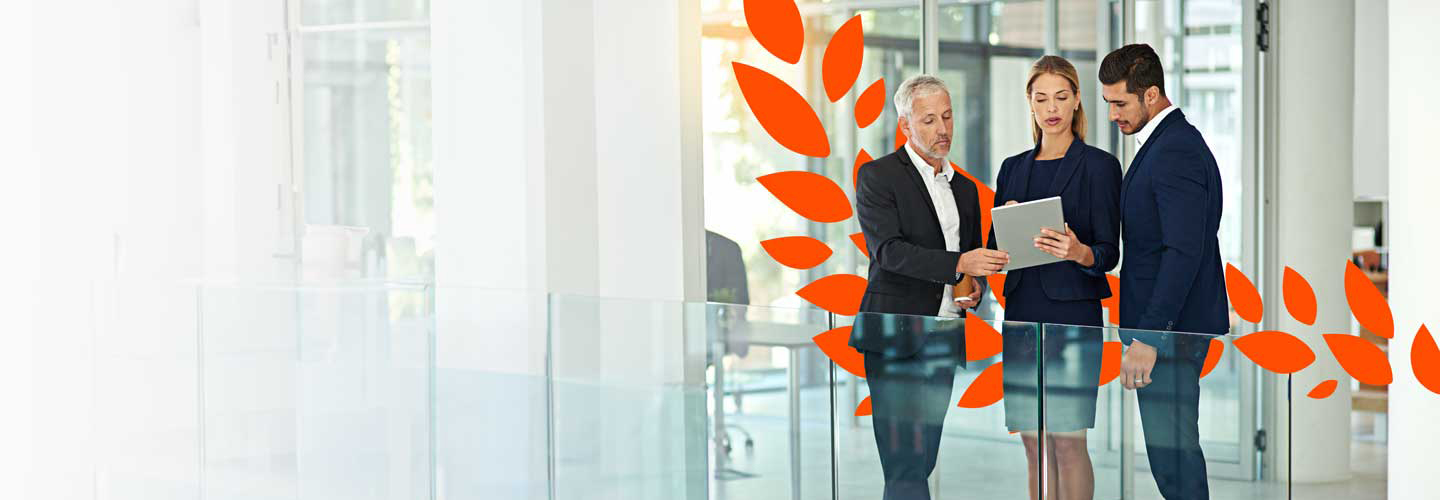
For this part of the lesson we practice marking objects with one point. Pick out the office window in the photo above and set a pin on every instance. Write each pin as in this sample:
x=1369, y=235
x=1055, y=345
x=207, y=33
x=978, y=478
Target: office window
x=737, y=149
x=362, y=113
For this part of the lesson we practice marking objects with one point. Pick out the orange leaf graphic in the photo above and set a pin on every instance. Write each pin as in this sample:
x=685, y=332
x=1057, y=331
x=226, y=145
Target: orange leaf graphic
x=997, y=287
x=1366, y=303
x=864, y=408
x=1243, y=295
x=870, y=103
x=859, y=240
x=899, y=137
x=1361, y=359
x=1425, y=360
x=1113, y=302
x=837, y=293
x=981, y=339
x=987, y=201
x=1299, y=297
x=986, y=390
x=836, y=346
x=1276, y=351
x=809, y=194
x=776, y=25
x=841, y=64
x=860, y=161
x=782, y=112
x=1324, y=390
x=1212, y=357
x=1110, y=362
x=800, y=252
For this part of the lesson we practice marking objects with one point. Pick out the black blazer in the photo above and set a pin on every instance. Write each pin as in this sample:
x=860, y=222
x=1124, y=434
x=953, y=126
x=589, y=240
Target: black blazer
x=1171, y=201
x=1088, y=184
x=909, y=266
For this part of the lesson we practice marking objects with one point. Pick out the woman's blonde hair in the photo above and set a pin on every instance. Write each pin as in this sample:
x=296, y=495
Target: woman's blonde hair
x=1056, y=65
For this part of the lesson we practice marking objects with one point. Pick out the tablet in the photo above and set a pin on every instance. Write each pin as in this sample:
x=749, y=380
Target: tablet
x=1016, y=227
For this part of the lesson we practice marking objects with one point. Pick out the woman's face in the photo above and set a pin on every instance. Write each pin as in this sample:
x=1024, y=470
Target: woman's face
x=1053, y=103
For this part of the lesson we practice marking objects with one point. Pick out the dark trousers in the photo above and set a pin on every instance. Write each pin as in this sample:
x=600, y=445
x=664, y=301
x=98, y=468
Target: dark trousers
x=1170, y=416
x=909, y=397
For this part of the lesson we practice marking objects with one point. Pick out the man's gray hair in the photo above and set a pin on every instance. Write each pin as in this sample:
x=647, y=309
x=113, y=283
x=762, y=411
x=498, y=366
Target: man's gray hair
x=916, y=86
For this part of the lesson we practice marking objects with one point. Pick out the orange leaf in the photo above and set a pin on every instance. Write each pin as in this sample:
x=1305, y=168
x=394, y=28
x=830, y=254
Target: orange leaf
x=870, y=103
x=1276, y=351
x=1110, y=362
x=837, y=293
x=1113, y=302
x=1324, y=390
x=987, y=201
x=1299, y=297
x=997, y=287
x=860, y=161
x=776, y=25
x=986, y=390
x=1366, y=302
x=1243, y=295
x=836, y=346
x=800, y=252
x=809, y=194
x=864, y=408
x=841, y=64
x=981, y=339
x=782, y=112
x=1361, y=359
x=859, y=240
x=899, y=137
x=1212, y=357
x=1425, y=360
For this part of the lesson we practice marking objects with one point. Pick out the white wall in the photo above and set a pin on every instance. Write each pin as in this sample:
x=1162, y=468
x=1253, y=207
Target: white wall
x=1372, y=77
x=1314, y=42
x=1414, y=178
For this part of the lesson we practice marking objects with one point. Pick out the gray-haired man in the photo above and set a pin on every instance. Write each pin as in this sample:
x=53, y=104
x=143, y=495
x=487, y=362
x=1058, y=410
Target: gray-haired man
x=922, y=226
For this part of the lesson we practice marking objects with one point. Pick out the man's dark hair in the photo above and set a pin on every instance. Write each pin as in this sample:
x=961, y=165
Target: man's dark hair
x=1137, y=65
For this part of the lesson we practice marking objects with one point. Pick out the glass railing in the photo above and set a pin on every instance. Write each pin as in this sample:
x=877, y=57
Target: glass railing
x=391, y=392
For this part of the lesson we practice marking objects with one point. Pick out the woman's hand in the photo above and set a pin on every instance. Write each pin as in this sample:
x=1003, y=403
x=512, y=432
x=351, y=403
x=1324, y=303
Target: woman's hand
x=1065, y=246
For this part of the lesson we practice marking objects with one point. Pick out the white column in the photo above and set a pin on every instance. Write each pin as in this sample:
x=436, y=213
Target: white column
x=1414, y=203
x=1314, y=43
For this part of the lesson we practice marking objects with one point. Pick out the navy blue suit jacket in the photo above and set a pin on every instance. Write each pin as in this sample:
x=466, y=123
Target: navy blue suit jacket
x=1088, y=184
x=1171, y=280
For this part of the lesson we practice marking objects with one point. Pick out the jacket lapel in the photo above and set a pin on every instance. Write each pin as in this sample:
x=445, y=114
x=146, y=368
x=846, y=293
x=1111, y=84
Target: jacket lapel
x=1068, y=166
x=924, y=191
x=1135, y=164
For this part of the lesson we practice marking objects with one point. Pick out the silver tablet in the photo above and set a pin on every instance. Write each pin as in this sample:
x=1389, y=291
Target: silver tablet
x=1016, y=227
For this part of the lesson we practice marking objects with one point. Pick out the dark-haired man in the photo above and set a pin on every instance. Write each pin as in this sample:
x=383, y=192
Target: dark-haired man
x=1171, y=280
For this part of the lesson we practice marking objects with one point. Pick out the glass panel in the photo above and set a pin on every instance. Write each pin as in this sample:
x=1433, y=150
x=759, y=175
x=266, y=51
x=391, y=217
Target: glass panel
x=323, y=12
x=1181, y=389
x=367, y=159
x=491, y=394
x=737, y=150
x=628, y=399
x=768, y=402
x=915, y=397
x=315, y=393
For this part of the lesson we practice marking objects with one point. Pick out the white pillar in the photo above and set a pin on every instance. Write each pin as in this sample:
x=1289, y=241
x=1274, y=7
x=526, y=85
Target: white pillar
x=1313, y=213
x=1414, y=203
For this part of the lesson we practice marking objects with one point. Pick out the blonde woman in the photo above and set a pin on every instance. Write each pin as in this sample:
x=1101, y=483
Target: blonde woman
x=1087, y=180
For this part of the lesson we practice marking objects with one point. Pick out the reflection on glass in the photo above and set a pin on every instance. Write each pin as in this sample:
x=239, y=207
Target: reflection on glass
x=319, y=12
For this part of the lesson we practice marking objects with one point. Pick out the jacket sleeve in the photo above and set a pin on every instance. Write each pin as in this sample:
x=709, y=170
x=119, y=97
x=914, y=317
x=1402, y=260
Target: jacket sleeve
x=879, y=216
x=1000, y=199
x=1104, y=188
x=1181, y=200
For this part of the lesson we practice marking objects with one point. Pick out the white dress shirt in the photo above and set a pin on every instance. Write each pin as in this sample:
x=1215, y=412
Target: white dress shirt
x=944, y=200
x=1149, y=128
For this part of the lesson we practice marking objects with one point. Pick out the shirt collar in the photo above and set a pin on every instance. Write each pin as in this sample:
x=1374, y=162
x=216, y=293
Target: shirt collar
x=1144, y=134
x=926, y=171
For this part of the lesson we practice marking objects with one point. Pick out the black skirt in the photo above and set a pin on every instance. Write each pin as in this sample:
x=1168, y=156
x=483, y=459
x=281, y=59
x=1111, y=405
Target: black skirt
x=1074, y=343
